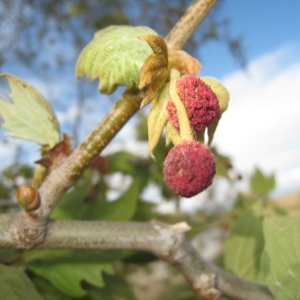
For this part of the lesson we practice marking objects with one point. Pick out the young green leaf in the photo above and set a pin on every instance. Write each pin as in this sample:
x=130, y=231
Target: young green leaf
x=157, y=117
x=172, y=134
x=280, y=261
x=30, y=116
x=223, y=97
x=115, y=56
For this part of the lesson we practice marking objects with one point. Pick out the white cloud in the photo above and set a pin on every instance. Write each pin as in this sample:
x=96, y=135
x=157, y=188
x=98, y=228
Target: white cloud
x=261, y=126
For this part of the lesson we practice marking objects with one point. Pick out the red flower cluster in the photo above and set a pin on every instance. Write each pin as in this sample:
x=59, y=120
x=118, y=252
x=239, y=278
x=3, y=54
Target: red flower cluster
x=189, y=168
x=200, y=101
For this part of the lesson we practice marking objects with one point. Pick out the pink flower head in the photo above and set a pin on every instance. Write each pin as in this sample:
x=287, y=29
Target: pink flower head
x=200, y=101
x=189, y=168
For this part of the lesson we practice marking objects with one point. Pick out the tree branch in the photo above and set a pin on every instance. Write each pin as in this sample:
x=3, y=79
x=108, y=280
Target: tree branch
x=165, y=241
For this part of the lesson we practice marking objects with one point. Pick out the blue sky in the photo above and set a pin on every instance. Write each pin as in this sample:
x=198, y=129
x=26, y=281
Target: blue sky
x=261, y=126
x=264, y=25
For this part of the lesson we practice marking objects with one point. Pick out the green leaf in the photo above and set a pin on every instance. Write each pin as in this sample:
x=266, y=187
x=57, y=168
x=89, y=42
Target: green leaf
x=30, y=116
x=220, y=90
x=124, y=207
x=158, y=117
x=244, y=246
x=15, y=285
x=82, y=203
x=262, y=184
x=141, y=127
x=115, y=56
x=74, y=206
x=172, y=134
x=116, y=288
x=223, y=97
x=48, y=290
x=66, y=269
x=121, y=161
x=280, y=261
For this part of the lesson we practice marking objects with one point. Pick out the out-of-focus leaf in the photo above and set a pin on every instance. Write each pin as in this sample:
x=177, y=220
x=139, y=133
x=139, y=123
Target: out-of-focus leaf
x=158, y=117
x=4, y=191
x=244, y=246
x=262, y=184
x=66, y=269
x=76, y=204
x=121, y=161
x=115, y=56
x=117, y=286
x=48, y=290
x=30, y=116
x=124, y=207
x=223, y=164
x=280, y=261
x=141, y=127
x=15, y=285
x=144, y=211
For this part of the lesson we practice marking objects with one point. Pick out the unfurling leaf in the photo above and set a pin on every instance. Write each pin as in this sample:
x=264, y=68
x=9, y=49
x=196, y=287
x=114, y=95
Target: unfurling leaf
x=157, y=117
x=115, y=56
x=220, y=90
x=182, y=61
x=155, y=69
x=29, y=116
x=172, y=134
x=223, y=96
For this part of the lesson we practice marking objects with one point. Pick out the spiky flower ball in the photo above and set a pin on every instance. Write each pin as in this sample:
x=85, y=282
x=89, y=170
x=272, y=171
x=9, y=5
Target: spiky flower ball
x=200, y=101
x=189, y=168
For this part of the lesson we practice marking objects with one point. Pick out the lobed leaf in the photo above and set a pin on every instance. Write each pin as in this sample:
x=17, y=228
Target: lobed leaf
x=66, y=269
x=30, y=116
x=115, y=56
x=244, y=246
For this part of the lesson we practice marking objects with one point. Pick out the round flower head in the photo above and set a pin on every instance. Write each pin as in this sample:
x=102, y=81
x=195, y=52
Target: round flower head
x=189, y=168
x=200, y=102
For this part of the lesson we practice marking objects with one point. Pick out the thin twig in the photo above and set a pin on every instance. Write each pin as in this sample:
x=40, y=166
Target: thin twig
x=187, y=24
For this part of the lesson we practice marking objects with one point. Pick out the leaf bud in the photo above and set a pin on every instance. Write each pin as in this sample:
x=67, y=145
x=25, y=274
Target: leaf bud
x=28, y=197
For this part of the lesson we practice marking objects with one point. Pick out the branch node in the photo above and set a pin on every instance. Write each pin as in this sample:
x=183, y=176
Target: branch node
x=205, y=286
